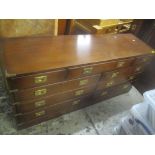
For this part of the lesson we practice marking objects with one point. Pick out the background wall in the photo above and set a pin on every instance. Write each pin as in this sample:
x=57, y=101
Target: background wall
x=27, y=27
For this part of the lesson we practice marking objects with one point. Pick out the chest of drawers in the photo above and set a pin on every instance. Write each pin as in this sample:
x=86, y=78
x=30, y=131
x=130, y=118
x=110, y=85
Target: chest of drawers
x=46, y=77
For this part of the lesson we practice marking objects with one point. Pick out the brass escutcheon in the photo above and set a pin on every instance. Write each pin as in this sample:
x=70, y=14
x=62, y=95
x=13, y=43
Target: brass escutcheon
x=133, y=27
x=125, y=86
x=114, y=74
x=138, y=69
x=120, y=64
x=87, y=70
x=83, y=82
x=40, y=79
x=40, y=92
x=145, y=59
x=75, y=102
x=152, y=52
x=40, y=103
x=131, y=77
x=109, y=84
x=79, y=92
x=40, y=113
x=104, y=93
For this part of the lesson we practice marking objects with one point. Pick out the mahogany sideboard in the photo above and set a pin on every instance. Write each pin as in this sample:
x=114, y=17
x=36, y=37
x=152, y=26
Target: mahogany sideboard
x=46, y=77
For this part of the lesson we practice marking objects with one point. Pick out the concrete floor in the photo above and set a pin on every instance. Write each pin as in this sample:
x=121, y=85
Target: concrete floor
x=98, y=119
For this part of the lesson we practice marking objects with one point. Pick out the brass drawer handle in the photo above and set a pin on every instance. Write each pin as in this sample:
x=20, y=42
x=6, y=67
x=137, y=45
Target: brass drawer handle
x=133, y=27
x=120, y=64
x=152, y=52
x=87, y=70
x=125, y=86
x=75, y=102
x=40, y=79
x=138, y=69
x=104, y=93
x=109, y=84
x=114, y=74
x=39, y=103
x=83, y=82
x=40, y=113
x=40, y=92
x=79, y=92
x=131, y=77
x=145, y=59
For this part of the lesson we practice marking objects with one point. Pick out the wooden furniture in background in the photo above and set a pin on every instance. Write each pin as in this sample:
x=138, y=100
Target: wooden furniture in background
x=99, y=26
x=62, y=26
x=49, y=76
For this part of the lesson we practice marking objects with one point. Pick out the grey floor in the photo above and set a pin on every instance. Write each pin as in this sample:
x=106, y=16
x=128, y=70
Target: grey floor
x=98, y=119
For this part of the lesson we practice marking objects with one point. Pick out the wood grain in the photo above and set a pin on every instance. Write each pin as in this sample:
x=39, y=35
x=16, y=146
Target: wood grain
x=46, y=53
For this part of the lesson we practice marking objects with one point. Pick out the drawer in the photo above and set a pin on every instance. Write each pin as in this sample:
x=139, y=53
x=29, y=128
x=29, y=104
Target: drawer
x=110, y=83
x=54, y=110
x=122, y=74
x=75, y=72
x=39, y=92
x=139, y=68
x=23, y=107
x=36, y=80
x=133, y=77
x=111, y=92
x=143, y=59
x=115, y=77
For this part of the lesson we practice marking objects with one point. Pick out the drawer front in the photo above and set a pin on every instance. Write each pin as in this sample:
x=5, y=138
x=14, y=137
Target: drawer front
x=133, y=77
x=36, y=80
x=75, y=72
x=29, y=106
x=139, y=68
x=54, y=110
x=111, y=92
x=122, y=74
x=115, y=77
x=39, y=92
x=143, y=59
x=110, y=83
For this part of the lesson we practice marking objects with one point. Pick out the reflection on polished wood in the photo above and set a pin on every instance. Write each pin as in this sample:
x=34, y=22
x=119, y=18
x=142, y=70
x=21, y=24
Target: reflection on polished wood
x=45, y=53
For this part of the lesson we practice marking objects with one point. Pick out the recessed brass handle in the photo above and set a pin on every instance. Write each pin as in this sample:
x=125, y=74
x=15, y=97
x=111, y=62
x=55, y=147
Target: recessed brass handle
x=138, y=69
x=79, y=92
x=152, y=52
x=40, y=103
x=83, y=82
x=114, y=74
x=125, y=86
x=40, y=92
x=75, y=102
x=131, y=77
x=40, y=113
x=144, y=59
x=87, y=70
x=133, y=27
x=120, y=64
x=40, y=79
x=109, y=84
x=104, y=93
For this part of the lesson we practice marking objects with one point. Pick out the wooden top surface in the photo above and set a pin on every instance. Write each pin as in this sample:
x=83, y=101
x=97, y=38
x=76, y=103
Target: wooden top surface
x=35, y=54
